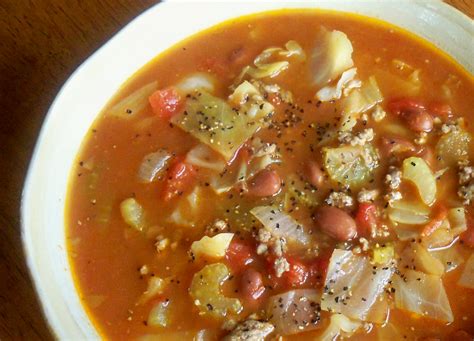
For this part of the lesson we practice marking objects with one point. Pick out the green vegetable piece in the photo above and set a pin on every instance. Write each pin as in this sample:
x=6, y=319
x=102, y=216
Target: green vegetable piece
x=350, y=165
x=206, y=292
x=453, y=147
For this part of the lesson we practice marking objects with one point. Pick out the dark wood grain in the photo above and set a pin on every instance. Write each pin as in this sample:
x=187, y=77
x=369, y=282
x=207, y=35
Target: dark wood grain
x=41, y=43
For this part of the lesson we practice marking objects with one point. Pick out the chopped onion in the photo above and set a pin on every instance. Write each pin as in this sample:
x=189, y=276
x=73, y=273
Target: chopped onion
x=329, y=93
x=213, y=247
x=281, y=224
x=422, y=294
x=197, y=81
x=133, y=103
x=294, y=311
x=205, y=157
x=417, y=171
x=411, y=213
x=133, y=213
x=348, y=273
x=152, y=165
x=338, y=325
x=467, y=277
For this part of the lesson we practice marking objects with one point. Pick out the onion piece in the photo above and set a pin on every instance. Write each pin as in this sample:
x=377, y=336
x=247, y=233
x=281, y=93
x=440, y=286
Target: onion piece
x=133, y=103
x=467, y=277
x=422, y=294
x=348, y=273
x=339, y=324
x=417, y=171
x=152, y=165
x=411, y=213
x=294, y=311
x=197, y=81
x=329, y=93
x=281, y=224
x=204, y=157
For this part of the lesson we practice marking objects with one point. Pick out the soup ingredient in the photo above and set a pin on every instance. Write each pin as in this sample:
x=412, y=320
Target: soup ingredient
x=413, y=112
x=295, y=311
x=206, y=292
x=416, y=257
x=153, y=165
x=134, y=103
x=179, y=180
x=336, y=223
x=329, y=93
x=159, y=314
x=156, y=286
x=350, y=165
x=314, y=173
x=331, y=56
x=165, y=102
x=383, y=254
x=422, y=294
x=204, y=157
x=467, y=276
x=197, y=81
x=410, y=213
x=453, y=147
x=353, y=285
x=366, y=219
x=419, y=173
x=212, y=247
x=251, y=284
x=250, y=330
x=450, y=257
x=264, y=184
x=457, y=220
x=339, y=325
x=133, y=213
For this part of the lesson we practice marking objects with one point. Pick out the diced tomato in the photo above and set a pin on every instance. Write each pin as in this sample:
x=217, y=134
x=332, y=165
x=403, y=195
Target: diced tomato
x=467, y=237
x=318, y=269
x=298, y=273
x=440, y=110
x=165, y=102
x=239, y=254
x=366, y=218
x=440, y=215
x=404, y=105
x=180, y=177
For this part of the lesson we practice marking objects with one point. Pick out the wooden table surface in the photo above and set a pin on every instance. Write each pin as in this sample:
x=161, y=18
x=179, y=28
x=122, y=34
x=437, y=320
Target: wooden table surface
x=41, y=43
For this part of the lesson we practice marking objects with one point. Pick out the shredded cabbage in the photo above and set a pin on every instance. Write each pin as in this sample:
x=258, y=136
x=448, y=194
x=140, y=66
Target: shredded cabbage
x=416, y=257
x=417, y=171
x=204, y=157
x=133, y=103
x=450, y=257
x=422, y=294
x=281, y=224
x=329, y=93
x=339, y=325
x=411, y=213
x=467, y=277
x=353, y=285
x=152, y=165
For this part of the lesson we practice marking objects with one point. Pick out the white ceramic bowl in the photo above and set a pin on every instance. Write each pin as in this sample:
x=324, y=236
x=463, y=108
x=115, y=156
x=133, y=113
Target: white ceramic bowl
x=98, y=78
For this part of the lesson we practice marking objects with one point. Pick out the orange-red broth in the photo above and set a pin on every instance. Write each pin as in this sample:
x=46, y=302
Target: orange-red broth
x=106, y=254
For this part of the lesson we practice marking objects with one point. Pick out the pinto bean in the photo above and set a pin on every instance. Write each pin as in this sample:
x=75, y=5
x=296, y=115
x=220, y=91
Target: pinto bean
x=336, y=223
x=264, y=184
x=251, y=284
x=314, y=173
x=418, y=120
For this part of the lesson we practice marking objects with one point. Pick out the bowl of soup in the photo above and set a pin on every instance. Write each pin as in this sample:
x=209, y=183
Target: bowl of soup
x=255, y=171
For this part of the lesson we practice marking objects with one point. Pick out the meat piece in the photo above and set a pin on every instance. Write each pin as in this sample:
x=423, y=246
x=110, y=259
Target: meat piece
x=367, y=195
x=250, y=330
x=466, y=182
x=281, y=266
x=339, y=199
x=359, y=139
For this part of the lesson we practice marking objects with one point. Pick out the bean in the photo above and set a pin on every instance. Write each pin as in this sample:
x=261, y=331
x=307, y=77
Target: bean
x=314, y=173
x=264, y=184
x=418, y=120
x=336, y=223
x=391, y=145
x=251, y=284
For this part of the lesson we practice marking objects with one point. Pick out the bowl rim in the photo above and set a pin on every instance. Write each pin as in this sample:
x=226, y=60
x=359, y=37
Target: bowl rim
x=453, y=15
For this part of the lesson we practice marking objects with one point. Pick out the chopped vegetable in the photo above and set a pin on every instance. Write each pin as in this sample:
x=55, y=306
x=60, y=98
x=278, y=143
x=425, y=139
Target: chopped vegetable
x=134, y=103
x=366, y=219
x=212, y=247
x=185, y=212
x=215, y=123
x=133, y=213
x=329, y=93
x=453, y=147
x=406, y=85
x=441, y=237
x=179, y=179
x=450, y=257
x=457, y=220
x=152, y=165
x=331, y=56
x=416, y=257
x=300, y=192
x=206, y=292
x=467, y=276
x=419, y=173
x=159, y=314
x=294, y=311
x=298, y=273
x=165, y=102
x=339, y=325
x=204, y=157
x=197, y=81
x=350, y=165
x=281, y=224
x=156, y=286
x=383, y=254
x=239, y=255
x=353, y=284
x=411, y=213
x=422, y=294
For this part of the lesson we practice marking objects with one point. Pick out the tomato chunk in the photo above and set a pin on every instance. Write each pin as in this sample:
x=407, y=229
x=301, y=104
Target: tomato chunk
x=165, y=102
x=467, y=237
x=403, y=105
x=239, y=254
x=180, y=177
x=319, y=267
x=366, y=219
x=298, y=273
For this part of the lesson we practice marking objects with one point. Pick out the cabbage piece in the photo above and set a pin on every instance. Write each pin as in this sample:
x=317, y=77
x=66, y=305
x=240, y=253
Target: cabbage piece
x=216, y=124
x=197, y=81
x=380, y=311
x=206, y=292
x=453, y=147
x=353, y=285
x=359, y=101
x=204, y=157
x=339, y=325
x=467, y=277
x=134, y=103
x=133, y=213
x=457, y=220
x=294, y=311
x=422, y=294
x=417, y=171
x=411, y=213
x=301, y=192
x=156, y=286
x=213, y=247
x=408, y=85
x=439, y=238
x=450, y=257
x=281, y=224
x=350, y=165
x=416, y=257
x=159, y=314
x=152, y=165
x=407, y=232
x=329, y=93
x=331, y=56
